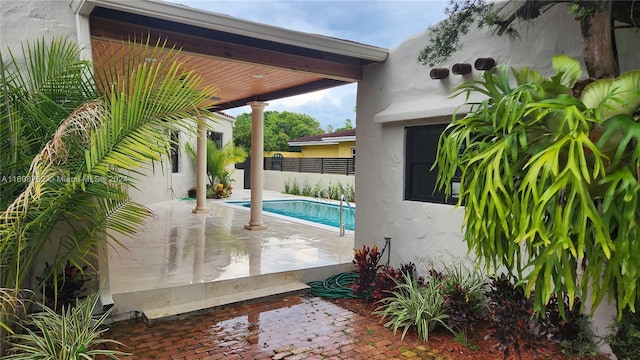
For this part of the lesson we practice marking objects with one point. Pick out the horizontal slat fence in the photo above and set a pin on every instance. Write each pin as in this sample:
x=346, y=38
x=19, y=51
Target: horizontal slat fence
x=344, y=166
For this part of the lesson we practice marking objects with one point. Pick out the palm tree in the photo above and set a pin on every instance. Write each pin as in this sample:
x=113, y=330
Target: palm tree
x=218, y=162
x=75, y=141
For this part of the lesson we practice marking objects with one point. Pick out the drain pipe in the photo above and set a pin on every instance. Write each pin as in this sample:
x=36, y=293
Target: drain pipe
x=341, y=222
x=387, y=245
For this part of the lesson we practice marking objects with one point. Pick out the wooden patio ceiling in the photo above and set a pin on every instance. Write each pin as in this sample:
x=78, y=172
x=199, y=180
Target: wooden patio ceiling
x=242, y=68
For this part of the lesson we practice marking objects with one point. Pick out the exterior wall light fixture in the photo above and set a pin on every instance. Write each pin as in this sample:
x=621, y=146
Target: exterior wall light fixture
x=439, y=73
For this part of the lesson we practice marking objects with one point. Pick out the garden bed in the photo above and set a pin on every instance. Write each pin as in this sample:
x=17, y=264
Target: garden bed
x=441, y=341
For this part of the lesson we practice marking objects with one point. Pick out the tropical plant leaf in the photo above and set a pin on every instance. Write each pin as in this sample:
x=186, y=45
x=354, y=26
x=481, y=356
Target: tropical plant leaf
x=614, y=96
x=73, y=137
x=549, y=183
x=621, y=132
x=568, y=68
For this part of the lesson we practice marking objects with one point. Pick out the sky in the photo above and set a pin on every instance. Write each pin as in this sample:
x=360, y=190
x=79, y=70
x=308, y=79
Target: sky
x=379, y=23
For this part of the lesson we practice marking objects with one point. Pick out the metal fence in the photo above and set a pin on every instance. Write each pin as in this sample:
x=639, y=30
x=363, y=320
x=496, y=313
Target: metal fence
x=343, y=166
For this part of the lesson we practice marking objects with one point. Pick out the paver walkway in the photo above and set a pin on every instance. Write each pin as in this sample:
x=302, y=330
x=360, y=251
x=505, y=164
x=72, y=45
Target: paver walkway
x=291, y=328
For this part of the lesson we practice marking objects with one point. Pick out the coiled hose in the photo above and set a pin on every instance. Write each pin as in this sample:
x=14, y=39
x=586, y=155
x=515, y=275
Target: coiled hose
x=335, y=287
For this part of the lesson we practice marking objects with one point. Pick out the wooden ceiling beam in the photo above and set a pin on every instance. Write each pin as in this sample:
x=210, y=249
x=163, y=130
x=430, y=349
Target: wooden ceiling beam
x=122, y=31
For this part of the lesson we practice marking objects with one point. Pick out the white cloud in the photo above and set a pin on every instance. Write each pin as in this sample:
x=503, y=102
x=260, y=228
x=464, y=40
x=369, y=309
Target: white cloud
x=329, y=107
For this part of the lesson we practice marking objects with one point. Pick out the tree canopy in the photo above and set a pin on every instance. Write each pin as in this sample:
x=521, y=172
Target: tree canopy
x=279, y=127
x=347, y=126
x=596, y=20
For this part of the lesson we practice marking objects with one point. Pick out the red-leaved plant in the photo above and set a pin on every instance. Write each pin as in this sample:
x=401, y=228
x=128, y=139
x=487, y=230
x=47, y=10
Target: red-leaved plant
x=366, y=261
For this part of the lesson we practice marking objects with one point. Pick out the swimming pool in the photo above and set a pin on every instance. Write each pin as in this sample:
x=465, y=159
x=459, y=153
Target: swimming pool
x=315, y=211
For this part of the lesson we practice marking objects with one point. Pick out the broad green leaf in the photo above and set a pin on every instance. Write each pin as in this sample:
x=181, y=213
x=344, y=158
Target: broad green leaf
x=569, y=68
x=614, y=96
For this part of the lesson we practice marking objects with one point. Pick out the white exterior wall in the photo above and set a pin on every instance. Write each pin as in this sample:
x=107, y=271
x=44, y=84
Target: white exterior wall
x=22, y=20
x=161, y=184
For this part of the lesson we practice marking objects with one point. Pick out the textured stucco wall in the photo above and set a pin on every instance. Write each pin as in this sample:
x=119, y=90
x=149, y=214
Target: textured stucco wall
x=399, y=93
x=22, y=20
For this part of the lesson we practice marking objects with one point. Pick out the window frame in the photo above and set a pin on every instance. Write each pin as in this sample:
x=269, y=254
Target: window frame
x=217, y=138
x=175, y=151
x=420, y=159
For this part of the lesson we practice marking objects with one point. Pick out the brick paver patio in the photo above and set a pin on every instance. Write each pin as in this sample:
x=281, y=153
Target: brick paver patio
x=291, y=328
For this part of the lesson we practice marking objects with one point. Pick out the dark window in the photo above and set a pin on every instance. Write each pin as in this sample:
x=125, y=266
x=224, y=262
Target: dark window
x=175, y=143
x=216, y=137
x=420, y=154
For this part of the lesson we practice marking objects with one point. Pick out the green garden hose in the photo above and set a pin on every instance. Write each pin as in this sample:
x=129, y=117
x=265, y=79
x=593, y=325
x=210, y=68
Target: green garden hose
x=341, y=285
x=337, y=286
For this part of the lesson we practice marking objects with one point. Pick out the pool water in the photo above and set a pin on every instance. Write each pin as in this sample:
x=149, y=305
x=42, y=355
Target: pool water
x=318, y=212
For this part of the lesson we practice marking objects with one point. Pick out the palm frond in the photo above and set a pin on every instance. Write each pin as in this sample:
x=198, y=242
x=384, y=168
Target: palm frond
x=75, y=183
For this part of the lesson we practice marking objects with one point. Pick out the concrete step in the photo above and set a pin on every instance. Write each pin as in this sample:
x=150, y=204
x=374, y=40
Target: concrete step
x=155, y=302
x=172, y=311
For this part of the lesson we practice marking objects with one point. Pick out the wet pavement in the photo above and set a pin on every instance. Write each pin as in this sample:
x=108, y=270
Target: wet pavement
x=179, y=248
x=292, y=328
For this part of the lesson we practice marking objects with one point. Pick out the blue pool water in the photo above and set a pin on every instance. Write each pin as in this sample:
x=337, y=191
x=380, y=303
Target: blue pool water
x=318, y=212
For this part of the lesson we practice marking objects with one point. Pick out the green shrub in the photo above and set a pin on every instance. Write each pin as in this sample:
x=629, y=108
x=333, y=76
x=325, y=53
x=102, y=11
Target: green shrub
x=624, y=338
x=295, y=188
x=287, y=186
x=306, y=188
x=350, y=192
x=318, y=189
x=335, y=190
x=465, y=302
x=67, y=287
x=515, y=325
x=575, y=335
x=413, y=305
x=72, y=335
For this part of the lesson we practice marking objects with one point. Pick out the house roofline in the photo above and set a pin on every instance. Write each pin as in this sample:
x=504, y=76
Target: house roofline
x=210, y=20
x=307, y=143
x=340, y=138
x=225, y=115
x=323, y=141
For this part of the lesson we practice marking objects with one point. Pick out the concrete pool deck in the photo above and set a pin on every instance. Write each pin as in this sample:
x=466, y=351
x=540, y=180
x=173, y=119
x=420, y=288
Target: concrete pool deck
x=182, y=257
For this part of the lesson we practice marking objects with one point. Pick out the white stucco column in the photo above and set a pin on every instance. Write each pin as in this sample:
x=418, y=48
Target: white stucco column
x=257, y=161
x=201, y=170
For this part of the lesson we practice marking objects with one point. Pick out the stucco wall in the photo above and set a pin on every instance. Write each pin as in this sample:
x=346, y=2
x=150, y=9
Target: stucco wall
x=399, y=93
x=161, y=184
x=22, y=20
